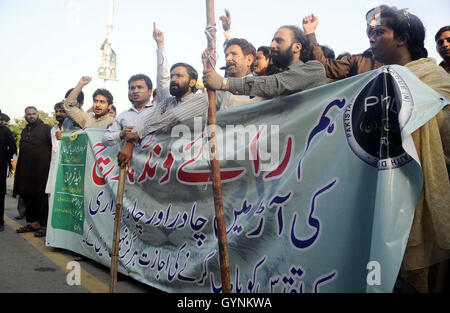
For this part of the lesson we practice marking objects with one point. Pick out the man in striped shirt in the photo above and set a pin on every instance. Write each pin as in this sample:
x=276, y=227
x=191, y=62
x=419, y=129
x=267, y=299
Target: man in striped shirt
x=177, y=100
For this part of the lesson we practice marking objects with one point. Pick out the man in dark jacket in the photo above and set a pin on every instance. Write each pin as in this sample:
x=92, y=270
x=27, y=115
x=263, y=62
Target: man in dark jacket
x=32, y=170
x=7, y=149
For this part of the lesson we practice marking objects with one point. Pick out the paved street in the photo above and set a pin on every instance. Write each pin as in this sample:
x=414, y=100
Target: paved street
x=27, y=265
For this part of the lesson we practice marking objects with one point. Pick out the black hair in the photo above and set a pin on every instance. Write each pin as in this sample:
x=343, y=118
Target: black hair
x=299, y=36
x=266, y=51
x=104, y=92
x=113, y=107
x=31, y=107
x=402, y=22
x=328, y=52
x=4, y=117
x=247, y=47
x=440, y=31
x=190, y=70
x=80, y=98
x=144, y=77
x=59, y=105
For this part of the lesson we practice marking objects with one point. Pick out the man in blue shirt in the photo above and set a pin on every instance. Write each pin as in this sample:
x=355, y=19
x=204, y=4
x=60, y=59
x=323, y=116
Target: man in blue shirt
x=139, y=92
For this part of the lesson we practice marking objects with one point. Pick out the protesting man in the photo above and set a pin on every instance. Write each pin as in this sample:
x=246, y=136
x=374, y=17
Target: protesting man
x=4, y=119
x=69, y=123
x=398, y=38
x=240, y=58
x=139, y=93
x=32, y=170
x=177, y=100
x=442, y=39
x=103, y=100
x=7, y=150
x=56, y=135
x=348, y=65
x=287, y=48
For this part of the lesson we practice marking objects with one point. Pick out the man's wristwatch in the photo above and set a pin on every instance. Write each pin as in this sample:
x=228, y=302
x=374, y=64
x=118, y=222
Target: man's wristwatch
x=224, y=83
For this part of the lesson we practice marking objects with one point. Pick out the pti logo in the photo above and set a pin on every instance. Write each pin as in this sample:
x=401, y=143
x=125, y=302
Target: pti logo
x=374, y=118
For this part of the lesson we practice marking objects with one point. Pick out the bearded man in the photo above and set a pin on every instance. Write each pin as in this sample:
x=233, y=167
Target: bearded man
x=288, y=53
x=178, y=100
x=32, y=170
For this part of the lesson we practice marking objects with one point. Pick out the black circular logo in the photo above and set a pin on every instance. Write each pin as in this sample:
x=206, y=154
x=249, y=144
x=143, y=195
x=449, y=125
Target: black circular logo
x=371, y=121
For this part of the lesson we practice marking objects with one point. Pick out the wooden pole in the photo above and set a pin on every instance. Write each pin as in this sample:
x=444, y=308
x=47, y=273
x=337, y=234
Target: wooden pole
x=215, y=168
x=115, y=245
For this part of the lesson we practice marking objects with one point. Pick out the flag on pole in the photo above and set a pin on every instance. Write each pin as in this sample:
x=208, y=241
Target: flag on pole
x=107, y=67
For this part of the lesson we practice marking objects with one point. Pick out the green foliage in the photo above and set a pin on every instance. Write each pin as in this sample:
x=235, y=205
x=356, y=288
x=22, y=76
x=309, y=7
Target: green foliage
x=19, y=124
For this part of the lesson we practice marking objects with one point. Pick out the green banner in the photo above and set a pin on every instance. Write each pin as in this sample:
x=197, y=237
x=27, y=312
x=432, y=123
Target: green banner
x=68, y=202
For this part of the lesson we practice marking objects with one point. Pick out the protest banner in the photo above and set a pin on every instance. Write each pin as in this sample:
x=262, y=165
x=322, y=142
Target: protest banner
x=319, y=190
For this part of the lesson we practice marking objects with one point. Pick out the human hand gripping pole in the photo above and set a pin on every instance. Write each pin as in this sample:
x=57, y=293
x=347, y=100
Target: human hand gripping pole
x=124, y=158
x=115, y=243
x=215, y=168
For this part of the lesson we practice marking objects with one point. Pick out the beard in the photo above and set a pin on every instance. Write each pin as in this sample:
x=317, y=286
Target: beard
x=283, y=59
x=29, y=121
x=60, y=118
x=101, y=114
x=180, y=91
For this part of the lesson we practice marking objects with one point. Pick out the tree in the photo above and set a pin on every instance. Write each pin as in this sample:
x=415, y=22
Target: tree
x=20, y=123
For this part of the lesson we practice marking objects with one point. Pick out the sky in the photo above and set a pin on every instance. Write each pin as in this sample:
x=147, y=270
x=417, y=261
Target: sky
x=47, y=45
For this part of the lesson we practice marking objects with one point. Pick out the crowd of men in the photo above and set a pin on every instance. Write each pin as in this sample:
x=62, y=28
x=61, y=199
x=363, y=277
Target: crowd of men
x=293, y=62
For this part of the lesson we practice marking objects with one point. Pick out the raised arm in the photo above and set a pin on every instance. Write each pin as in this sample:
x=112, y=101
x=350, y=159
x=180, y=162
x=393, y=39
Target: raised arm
x=162, y=70
x=300, y=77
x=335, y=69
x=70, y=103
x=226, y=25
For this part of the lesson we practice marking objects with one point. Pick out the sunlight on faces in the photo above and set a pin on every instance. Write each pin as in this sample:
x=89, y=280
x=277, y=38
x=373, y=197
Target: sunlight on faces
x=31, y=115
x=101, y=106
x=261, y=62
x=238, y=64
x=60, y=114
x=443, y=45
x=138, y=92
x=112, y=113
x=180, y=82
x=383, y=44
x=283, y=47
